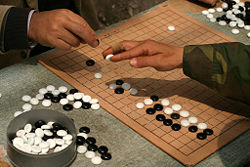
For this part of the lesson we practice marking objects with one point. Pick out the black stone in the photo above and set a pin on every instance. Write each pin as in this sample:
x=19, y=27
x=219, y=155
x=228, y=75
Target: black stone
x=39, y=123
x=154, y=98
x=150, y=111
x=201, y=136
x=160, y=117
x=208, y=131
x=66, y=129
x=90, y=140
x=73, y=91
x=45, y=138
x=33, y=129
x=48, y=95
x=84, y=130
x=62, y=95
x=55, y=99
x=68, y=107
x=92, y=147
x=175, y=115
x=106, y=156
x=90, y=62
x=119, y=82
x=241, y=8
x=176, y=127
x=86, y=105
x=119, y=90
x=168, y=122
x=56, y=127
x=80, y=140
x=218, y=19
x=193, y=129
x=102, y=149
x=158, y=107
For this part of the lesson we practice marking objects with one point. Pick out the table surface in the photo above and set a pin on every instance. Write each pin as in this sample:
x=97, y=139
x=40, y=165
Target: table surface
x=128, y=148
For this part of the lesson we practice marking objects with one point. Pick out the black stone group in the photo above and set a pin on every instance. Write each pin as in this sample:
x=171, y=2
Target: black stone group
x=174, y=116
x=55, y=127
x=91, y=142
x=119, y=89
x=90, y=62
x=245, y=18
x=66, y=107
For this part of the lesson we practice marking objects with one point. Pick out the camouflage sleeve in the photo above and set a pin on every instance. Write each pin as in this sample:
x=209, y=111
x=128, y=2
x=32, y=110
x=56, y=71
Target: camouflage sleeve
x=224, y=67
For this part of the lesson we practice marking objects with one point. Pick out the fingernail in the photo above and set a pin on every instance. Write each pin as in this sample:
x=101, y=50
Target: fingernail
x=133, y=62
x=96, y=43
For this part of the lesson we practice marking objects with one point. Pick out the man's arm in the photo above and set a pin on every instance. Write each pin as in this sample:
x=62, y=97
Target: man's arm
x=224, y=67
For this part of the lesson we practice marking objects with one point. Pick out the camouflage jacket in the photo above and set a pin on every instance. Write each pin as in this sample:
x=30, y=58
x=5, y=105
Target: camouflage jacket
x=224, y=67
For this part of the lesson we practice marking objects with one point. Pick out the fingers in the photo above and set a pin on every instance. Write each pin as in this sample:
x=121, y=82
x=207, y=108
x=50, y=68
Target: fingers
x=143, y=61
x=69, y=38
x=61, y=44
x=125, y=45
x=80, y=27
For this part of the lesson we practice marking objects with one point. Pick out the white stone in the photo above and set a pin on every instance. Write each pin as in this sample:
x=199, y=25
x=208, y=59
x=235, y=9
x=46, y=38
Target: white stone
x=241, y=4
x=235, y=31
x=57, y=149
x=237, y=1
x=112, y=86
x=241, y=24
x=31, y=141
x=184, y=113
x=232, y=23
x=247, y=27
x=70, y=97
x=108, y=57
x=86, y=98
x=26, y=98
x=26, y=148
x=93, y=101
x=210, y=16
x=168, y=110
x=17, y=113
x=83, y=135
x=96, y=160
x=171, y=28
x=193, y=120
x=67, y=142
x=98, y=75
x=219, y=9
x=59, y=141
x=0, y=95
x=45, y=150
x=20, y=133
x=27, y=128
x=44, y=145
x=50, y=123
x=126, y=86
x=77, y=104
x=39, y=132
x=61, y=133
x=222, y=23
x=40, y=96
x=63, y=89
x=34, y=101
x=248, y=35
x=229, y=12
x=18, y=141
x=68, y=137
x=78, y=95
x=139, y=105
x=205, y=12
x=224, y=5
x=25, y=139
x=27, y=107
x=202, y=126
x=45, y=127
x=90, y=154
x=48, y=132
x=148, y=101
x=81, y=149
x=165, y=102
x=38, y=140
x=95, y=106
x=52, y=143
x=213, y=20
x=55, y=92
x=43, y=91
x=185, y=123
x=46, y=103
x=30, y=135
x=133, y=91
x=211, y=10
x=176, y=107
x=36, y=149
x=64, y=101
x=50, y=88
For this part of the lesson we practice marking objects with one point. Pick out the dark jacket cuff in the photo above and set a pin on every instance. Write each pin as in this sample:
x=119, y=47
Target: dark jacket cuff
x=15, y=32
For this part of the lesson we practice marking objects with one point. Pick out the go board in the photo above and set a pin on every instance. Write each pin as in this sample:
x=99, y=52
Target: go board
x=209, y=107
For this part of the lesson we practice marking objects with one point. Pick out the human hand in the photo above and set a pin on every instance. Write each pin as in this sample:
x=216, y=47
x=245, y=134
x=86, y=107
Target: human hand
x=211, y=2
x=162, y=57
x=62, y=29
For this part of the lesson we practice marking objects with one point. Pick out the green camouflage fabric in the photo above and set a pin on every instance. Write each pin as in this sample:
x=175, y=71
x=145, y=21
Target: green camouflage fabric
x=224, y=67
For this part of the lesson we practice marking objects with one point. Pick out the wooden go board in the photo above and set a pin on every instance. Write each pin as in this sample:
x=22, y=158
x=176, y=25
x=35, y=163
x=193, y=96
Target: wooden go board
x=200, y=101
